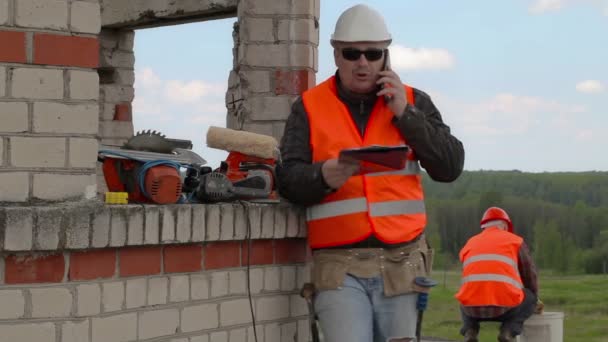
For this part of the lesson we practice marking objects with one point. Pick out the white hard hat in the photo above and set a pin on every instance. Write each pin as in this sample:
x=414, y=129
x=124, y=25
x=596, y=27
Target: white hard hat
x=361, y=23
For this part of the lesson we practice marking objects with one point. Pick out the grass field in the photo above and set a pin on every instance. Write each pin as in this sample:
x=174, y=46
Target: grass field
x=583, y=300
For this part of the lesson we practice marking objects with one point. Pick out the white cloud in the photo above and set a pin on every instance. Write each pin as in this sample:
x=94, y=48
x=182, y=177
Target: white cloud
x=407, y=59
x=192, y=91
x=590, y=86
x=148, y=78
x=544, y=6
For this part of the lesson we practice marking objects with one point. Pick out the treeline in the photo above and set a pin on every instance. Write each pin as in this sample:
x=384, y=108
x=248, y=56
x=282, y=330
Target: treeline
x=562, y=216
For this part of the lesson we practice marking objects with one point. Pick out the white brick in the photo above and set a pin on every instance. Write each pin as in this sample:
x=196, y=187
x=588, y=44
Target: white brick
x=293, y=223
x=51, y=302
x=1, y=149
x=135, y=226
x=13, y=304
x=39, y=332
x=272, y=276
x=51, y=14
x=49, y=225
x=101, y=228
x=118, y=228
x=64, y=186
x=259, y=333
x=288, y=278
x=117, y=59
x=204, y=338
x=272, y=333
x=126, y=40
x=303, y=274
x=84, y=85
x=272, y=308
x=13, y=114
x=218, y=336
x=268, y=222
x=227, y=222
x=124, y=76
x=180, y=339
x=89, y=299
x=238, y=335
x=184, y=223
x=303, y=331
x=50, y=117
x=85, y=17
x=298, y=29
x=34, y=83
x=83, y=153
x=268, y=108
x=157, y=291
x=116, y=129
x=200, y=317
x=38, y=152
x=257, y=29
x=75, y=331
x=198, y=222
x=233, y=312
x=77, y=231
x=136, y=293
x=14, y=186
x=119, y=328
x=213, y=222
x=289, y=331
x=279, y=55
x=152, y=225
x=256, y=280
x=168, y=224
x=117, y=92
x=240, y=223
x=158, y=323
x=258, y=80
x=199, y=286
x=179, y=290
x=19, y=229
x=297, y=306
x=3, y=21
x=255, y=221
x=219, y=284
x=113, y=296
x=238, y=282
x=280, y=223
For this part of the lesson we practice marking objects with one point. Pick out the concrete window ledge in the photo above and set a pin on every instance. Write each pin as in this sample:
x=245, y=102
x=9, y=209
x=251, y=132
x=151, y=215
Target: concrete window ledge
x=96, y=225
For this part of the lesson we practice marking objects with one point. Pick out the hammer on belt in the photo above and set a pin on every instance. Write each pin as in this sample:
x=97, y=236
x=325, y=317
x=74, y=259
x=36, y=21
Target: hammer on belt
x=307, y=292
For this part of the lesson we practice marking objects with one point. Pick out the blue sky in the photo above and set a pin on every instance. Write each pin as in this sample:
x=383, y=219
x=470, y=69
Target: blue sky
x=523, y=83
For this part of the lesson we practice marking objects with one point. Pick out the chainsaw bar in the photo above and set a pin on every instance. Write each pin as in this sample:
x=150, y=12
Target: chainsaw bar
x=179, y=155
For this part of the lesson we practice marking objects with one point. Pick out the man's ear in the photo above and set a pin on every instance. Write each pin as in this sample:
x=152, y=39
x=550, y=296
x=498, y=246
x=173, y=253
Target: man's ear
x=336, y=55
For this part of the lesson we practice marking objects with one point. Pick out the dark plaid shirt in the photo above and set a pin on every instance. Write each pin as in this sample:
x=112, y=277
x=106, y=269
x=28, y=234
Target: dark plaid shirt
x=529, y=278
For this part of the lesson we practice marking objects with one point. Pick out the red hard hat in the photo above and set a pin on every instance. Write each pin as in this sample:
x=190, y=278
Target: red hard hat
x=496, y=213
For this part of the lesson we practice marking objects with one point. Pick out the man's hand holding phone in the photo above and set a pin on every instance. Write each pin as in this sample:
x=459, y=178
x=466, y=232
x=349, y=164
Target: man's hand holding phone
x=393, y=87
x=336, y=172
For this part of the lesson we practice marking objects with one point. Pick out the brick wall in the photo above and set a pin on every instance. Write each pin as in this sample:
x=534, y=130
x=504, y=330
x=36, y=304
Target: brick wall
x=48, y=99
x=275, y=59
x=152, y=273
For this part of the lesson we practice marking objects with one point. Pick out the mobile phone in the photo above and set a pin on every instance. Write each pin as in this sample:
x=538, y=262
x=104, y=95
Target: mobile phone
x=386, y=65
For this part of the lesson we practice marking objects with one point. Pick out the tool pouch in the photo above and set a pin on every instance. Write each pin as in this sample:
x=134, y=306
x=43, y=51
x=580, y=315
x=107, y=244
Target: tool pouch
x=401, y=266
x=329, y=269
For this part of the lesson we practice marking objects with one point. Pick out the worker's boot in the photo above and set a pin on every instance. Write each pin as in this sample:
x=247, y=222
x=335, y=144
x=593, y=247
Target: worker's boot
x=471, y=335
x=506, y=336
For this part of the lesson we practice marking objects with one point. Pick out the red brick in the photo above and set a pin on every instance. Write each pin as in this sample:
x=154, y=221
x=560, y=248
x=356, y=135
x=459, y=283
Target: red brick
x=290, y=251
x=262, y=252
x=34, y=269
x=222, y=255
x=183, y=258
x=293, y=82
x=12, y=47
x=139, y=261
x=93, y=264
x=122, y=112
x=66, y=50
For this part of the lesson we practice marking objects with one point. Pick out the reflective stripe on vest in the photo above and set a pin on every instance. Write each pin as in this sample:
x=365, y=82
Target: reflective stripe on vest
x=492, y=277
x=491, y=257
x=411, y=168
x=359, y=205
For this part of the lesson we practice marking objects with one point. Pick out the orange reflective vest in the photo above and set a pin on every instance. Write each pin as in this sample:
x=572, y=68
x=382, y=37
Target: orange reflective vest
x=490, y=274
x=388, y=204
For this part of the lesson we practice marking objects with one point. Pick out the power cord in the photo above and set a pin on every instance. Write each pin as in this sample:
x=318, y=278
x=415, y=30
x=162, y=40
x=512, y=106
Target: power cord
x=249, y=241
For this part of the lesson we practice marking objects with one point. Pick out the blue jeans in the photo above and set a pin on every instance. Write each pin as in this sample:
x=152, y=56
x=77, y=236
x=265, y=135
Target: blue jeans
x=359, y=312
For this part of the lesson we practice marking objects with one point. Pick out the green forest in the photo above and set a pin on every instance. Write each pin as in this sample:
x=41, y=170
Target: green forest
x=563, y=217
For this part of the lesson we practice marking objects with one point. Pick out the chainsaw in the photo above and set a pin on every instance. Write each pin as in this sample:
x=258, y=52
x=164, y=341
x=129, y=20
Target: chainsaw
x=148, y=167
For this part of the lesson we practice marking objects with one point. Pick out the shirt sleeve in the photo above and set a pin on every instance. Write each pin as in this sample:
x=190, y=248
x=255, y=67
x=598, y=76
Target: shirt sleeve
x=527, y=269
x=299, y=179
x=440, y=153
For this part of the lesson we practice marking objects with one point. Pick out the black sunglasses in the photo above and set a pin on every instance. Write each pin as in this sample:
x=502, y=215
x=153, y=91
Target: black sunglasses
x=353, y=54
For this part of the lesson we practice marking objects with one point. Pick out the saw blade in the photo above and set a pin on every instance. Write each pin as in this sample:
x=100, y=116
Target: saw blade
x=150, y=141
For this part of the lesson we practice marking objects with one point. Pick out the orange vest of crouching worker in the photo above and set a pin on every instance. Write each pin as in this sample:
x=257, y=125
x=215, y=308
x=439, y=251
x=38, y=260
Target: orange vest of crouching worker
x=490, y=274
x=388, y=204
